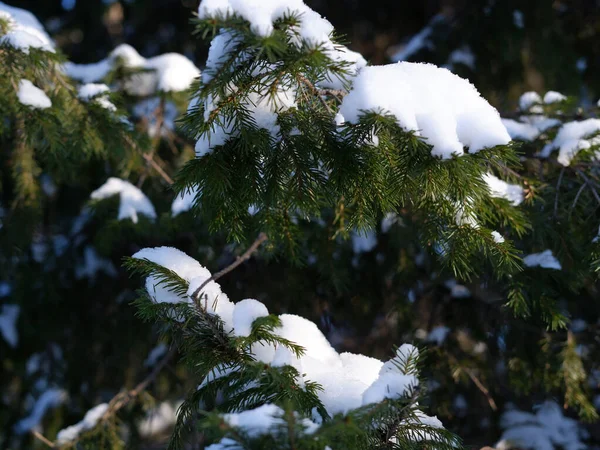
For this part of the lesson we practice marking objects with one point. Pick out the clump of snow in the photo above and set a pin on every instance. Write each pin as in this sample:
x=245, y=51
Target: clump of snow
x=8, y=324
x=25, y=31
x=93, y=264
x=32, y=96
x=544, y=259
x=438, y=335
x=463, y=55
x=184, y=201
x=573, y=137
x=518, y=19
x=520, y=131
x=159, y=419
x=530, y=101
x=348, y=380
x=501, y=189
x=498, y=238
x=155, y=354
x=434, y=103
x=50, y=398
x=457, y=290
x=96, y=92
x=266, y=419
x=90, y=420
x=554, y=97
x=547, y=429
x=170, y=72
x=132, y=200
x=363, y=243
x=246, y=312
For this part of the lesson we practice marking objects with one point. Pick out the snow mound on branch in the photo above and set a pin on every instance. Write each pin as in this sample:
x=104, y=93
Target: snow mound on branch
x=520, y=131
x=501, y=189
x=313, y=30
x=91, y=418
x=345, y=377
x=171, y=72
x=554, y=97
x=24, y=30
x=133, y=201
x=8, y=324
x=436, y=104
x=545, y=259
x=96, y=93
x=573, y=137
x=30, y=95
x=530, y=101
x=194, y=274
x=544, y=430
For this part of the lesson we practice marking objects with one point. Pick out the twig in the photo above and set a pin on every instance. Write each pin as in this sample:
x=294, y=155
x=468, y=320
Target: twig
x=160, y=170
x=39, y=436
x=122, y=399
x=590, y=184
x=560, y=177
x=262, y=237
x=481, y=387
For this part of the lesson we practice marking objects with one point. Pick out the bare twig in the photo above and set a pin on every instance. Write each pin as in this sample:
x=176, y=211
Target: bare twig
x=160, y=170
x=560, y=177
x=262, y=237
x=40, y=437
x=590, y=184
x=481, y=387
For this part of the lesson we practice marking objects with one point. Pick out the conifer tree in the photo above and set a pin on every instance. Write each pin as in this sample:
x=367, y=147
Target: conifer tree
x=325, y=187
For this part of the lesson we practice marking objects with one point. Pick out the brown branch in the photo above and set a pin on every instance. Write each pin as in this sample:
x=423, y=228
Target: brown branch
x=481, y=387
x=40, y=437
x=262, y=237
x=150, y=159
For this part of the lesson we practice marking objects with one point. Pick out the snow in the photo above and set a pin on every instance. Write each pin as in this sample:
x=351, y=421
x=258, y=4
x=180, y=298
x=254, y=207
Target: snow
x=348, y=380
x=363, y=243
x=170, y=72
x=132, y=200
x=419, y=41
x=244, y=313
x=544, y=259
x=30, y=95
x=501, y=189
x=554, y=97
x=520, y=131
x=436, y=104
x=155, y=354
x=159, y=419
x=51, y=398
x=93, y=264
x=573, y=137
x=97, y=93
x=184, y=201
x=463, y=55
x=90, y=420
x=9, y=315
x=529, y=100
x=518, y=19
x=25, y=31
x=438, y=335
x=543, y=430
x=498, y=238
x=457, y=290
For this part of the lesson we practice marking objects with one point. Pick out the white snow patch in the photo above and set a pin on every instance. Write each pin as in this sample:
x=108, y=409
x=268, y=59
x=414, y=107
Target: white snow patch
x=518, y=19
x=25, y=31
x=544, y=259
x=463, y=55
x=9, y=315
x=33, y=96
x=498, y=238
x=554, y=97
x=170, y=72
x=50, y=398
x=436, y=104
x=529, y=100
x=90, y=420
x=363, y=243
x=245, y=313
x=184, y=201
x=501, y=189
x=573, y=137
x=521, y=131
x=93, y=264
x=159, y=419
x=132, y=200
x=438, y=335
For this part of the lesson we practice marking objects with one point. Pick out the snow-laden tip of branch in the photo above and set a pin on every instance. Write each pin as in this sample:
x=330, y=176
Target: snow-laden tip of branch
x=50, y=398
x=132, y=200
x=501, y=189
x=91, y=418
x=98, y=94
x=573, y=137
x=32, y=96
x=345, y=377
x=545, y=259
x=171, y=72
x=554, y=97
x=436, y=104
x=24, y=30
